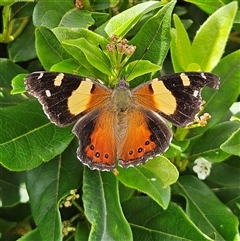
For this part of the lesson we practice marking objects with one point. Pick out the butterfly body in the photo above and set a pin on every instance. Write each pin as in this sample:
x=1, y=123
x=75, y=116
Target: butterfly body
x=120, y=124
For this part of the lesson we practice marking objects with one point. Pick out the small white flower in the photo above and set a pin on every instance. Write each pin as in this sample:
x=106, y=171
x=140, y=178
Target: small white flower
x=203, y=168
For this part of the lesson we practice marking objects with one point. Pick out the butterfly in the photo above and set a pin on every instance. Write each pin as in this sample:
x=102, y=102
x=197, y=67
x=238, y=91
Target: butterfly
x=120, y=124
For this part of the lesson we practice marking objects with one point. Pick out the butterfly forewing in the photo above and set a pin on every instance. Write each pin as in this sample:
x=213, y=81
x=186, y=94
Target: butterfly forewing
x=176, y=97
x=65, y=97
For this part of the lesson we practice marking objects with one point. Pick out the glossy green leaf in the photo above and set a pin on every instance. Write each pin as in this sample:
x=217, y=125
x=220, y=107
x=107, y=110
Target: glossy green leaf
x=47, y=45
x=23, y=9
x=6, y=76
x=93, y=54
x=82, y=231
x=18, y=84
x=74, y=50
x=152, y=178
x=123, y=22
x=208, y=6
x=181, y=49
x=12, y=186
x=77, y=19
x=208, y=145
x=227, y=187
x=229, y=175
x=102, y=207
x=149, y=220
x=9, y=2
x=138, y=68
x=57, y=177
x=153, y=39
x=28, y=137
x=50, y=14
x=33, y=235
x=205, y=210
x=71, y=66
x=209, y=42
x=232, y=145
x=176, y=148
x=23, y=48
x=64, y=33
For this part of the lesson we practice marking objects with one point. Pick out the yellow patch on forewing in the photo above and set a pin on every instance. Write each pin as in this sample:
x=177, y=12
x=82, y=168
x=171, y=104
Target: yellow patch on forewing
x=163, y=98
x=185, y=79
x=80, y=98
x=58, y=79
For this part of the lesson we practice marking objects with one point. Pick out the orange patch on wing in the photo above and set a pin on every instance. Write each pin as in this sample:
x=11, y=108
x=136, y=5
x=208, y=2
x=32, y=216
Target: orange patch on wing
x=102, y=146
x=138, y=140
x=157, y=97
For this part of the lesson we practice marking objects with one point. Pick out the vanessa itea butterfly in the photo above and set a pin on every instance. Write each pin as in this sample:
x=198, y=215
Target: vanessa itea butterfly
x=120, y=124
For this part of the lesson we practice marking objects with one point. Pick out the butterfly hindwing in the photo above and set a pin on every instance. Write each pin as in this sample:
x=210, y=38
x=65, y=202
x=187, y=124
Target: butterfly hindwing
x=176, y=97
x=65, y=97
x=151, y=135
x=97, y=143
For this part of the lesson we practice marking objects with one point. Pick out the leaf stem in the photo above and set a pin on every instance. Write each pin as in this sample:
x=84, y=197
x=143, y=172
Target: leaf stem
x=24, y=22
x=77, y=206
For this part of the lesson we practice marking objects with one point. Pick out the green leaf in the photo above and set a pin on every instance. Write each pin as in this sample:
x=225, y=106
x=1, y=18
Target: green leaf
x=210, y=40
x=152, y=178
x=9, y=2
x=138, y=68
x=71, y=66
x=6, y=76
x=23, y=47
x=49, y=50
x=12, y=185
x=207, y=6
x=208, y=145
x=18, y=84
x=153, y=39
x=150, y=222
x=181, y=49
x=50, y=15
x=205, y=210
x=227, y=187
x=6, y=98
x=28, y=137
x=33, y=235
x=77, y=19
x=93, y=54
x=176, y=148
x=219, y=102
x=22, y=9
x=102, y=207
x=57, y=177
x=232, y=145
x=82, y=231
x=229, y=175
x=63, y=33
x=123, y=22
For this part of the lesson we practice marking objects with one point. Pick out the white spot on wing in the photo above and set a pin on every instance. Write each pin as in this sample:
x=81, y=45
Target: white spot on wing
x=40, y=75
x=203, y=76
x=195, y=93
x=48, y=93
